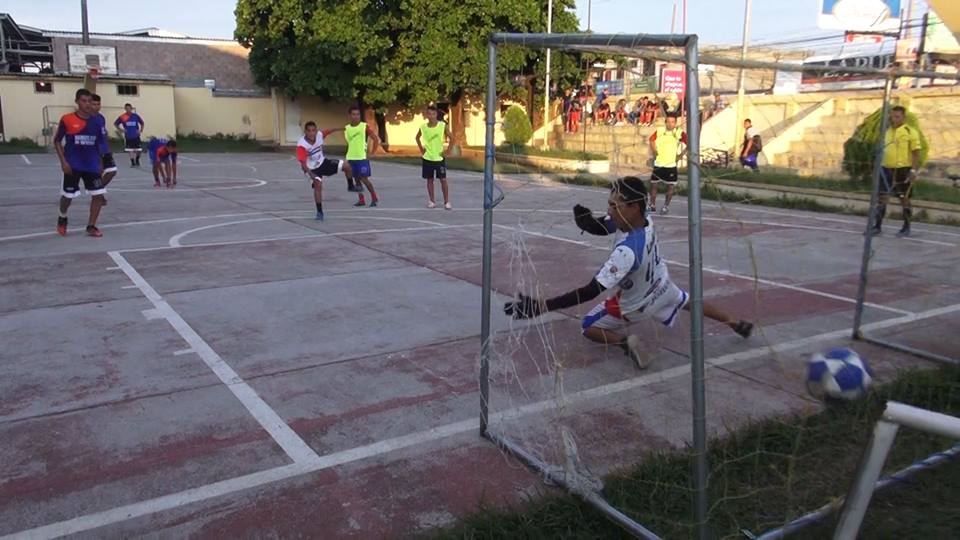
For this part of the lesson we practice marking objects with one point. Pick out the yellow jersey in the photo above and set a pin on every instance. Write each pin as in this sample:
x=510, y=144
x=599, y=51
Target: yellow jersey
x=899, y=145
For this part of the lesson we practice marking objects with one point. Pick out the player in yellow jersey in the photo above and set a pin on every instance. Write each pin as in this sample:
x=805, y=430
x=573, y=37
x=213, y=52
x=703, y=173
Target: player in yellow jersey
x=901, y=160
x=430, y=139
x=357, y=134
x=665, y=146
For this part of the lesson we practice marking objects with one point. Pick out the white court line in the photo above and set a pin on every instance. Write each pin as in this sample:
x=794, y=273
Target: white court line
x=226, y=487
x=295, y=447
x=26, y=159
x=182, y=352
x=728, y=274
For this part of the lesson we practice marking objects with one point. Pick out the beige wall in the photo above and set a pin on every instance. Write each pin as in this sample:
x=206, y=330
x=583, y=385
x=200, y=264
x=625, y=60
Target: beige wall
x=23, y=108
x=197, y=110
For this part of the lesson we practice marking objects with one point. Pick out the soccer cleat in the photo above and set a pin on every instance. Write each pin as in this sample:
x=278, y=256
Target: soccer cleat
x=875, y=231
x=156, y=184
x=62, y=226
x=904, y=232
x=93, y=231
x=664, y=211
x=743, y=328
x=431, y=204
x=651, y=210
x=359, y=203
x=634, y=349
x=373, y=203
x=319, y=216
x=447, y=206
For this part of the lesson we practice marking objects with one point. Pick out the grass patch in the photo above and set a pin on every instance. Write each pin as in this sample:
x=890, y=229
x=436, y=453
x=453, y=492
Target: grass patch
x=766, y=474
x=229, y=143
x=926, y=191
x=473, y=164
x=20, y=145
x=525, y=150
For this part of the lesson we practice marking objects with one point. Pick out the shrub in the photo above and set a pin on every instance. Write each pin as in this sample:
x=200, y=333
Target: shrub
x=516, y=126
x=860, y=149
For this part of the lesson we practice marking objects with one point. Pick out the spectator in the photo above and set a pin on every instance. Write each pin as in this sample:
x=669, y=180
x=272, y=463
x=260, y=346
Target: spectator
x=636, y=115
x=718, y=105
x=603, y=113
x=653, y=111
x=588, y=108
x=621, y=112
x=573, y=122
x=567, y=103
x=752, y=144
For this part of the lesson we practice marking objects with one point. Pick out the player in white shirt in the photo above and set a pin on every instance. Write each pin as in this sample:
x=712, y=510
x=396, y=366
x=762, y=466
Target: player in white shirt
x=635, y=269
x=315, y=165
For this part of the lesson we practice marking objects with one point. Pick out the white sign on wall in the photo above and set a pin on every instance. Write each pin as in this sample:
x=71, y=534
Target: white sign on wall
x=83, y=57
x=860, y=15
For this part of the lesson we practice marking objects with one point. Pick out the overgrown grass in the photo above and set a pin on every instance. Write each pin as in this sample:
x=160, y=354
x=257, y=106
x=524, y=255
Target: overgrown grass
x=764, y=475
x=20, y=145
x=926, y=191
x=473, y=164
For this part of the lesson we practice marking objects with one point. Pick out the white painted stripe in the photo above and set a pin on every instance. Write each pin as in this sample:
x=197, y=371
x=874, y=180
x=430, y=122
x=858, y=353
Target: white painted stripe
x=295, y=447
x=226, y=487
x=730, y=274
x=182, y=352
x=129, y=287
x=112, y=268
x=26, y=159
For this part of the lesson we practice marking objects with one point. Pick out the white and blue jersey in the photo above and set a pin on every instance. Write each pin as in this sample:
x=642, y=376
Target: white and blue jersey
x=641, y=279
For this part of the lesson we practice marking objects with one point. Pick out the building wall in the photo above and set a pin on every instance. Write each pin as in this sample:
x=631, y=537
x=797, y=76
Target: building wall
x=189, y=60
x=23, y=108
x=198, y=110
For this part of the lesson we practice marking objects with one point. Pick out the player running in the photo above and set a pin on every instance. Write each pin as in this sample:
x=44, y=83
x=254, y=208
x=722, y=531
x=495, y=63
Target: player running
x=314, y=164
x=665, y=145
x=109, y=165
x=430, y=139
x=643, y=284
x=357, y=134
x=163, y=157
x=130, y=126
x=78, y=142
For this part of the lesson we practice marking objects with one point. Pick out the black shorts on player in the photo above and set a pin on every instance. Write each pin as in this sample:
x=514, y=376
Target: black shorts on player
x=132, y=145
x=109, y=165
x=328, y=167
x=434, y=169
x=895, y=181
x=92, y=182
x=666, y=175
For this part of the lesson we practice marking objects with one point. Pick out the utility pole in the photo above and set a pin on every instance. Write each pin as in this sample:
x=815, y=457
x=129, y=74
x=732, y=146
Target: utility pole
x=589, y=12
x=85, y=27
x=740, y=82
x=546, y=90
x=684, y=16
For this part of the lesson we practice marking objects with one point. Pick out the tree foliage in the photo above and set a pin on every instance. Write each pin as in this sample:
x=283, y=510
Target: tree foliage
x=517, y=129
x=396, y=51
x=860, y=150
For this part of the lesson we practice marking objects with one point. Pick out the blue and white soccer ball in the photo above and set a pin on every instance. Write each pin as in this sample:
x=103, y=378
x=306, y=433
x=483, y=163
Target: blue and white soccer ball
x=840, y=374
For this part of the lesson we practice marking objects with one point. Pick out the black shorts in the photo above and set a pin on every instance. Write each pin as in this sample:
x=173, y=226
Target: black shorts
x=895, y=181
x=132, y=145
x=434, y=169
x=92, y=182
x=109, y=165
x=328, y=167
x=666, y=175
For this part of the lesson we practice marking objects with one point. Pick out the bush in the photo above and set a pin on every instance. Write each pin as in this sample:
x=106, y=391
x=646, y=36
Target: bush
x=516, y=126
x=860, y=149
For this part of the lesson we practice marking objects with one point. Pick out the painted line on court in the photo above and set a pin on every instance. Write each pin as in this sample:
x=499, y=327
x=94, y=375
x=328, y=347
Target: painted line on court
x=242, y=483
x=26, y=159
x=728, y=274
x=295, y=447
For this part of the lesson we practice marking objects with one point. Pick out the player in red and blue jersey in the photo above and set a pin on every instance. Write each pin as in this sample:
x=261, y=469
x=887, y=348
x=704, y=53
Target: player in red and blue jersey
x=79, y=144
x=109, y=165
x=130, y=125
x=163, y=157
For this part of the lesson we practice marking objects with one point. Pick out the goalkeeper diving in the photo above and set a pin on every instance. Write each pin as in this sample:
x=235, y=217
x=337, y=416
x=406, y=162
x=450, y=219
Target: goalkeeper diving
x=635, y=268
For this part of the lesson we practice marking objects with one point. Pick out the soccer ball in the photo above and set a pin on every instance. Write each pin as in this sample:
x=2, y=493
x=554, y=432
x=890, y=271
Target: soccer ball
x=839, y=373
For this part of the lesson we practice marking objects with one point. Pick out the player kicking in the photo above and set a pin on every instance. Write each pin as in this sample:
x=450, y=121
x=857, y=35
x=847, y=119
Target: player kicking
x=163, y=158
x=665, y=145
x=635, y=268
x=314, y=164
x=78, y=143
x=130, y=126
x=430, y=139
x=357, y=133
x=109, y=165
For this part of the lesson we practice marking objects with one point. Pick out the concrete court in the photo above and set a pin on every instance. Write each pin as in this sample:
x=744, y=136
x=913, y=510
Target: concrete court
x=221, y=365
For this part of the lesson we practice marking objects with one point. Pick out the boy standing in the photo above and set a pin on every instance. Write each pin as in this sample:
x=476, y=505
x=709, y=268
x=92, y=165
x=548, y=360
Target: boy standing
x=78, y=143
x=130, y=126
x=314, y=164
x=430, y=139
x=665, y=146
x=109, y=165
x=357, y=133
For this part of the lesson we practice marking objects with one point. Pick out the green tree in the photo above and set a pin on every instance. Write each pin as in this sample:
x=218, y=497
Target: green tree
x=517, y=129
x=860, y=150
x=388, y=51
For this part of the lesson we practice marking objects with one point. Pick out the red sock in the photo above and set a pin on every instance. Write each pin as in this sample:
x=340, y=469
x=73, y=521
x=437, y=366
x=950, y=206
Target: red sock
x=362, y=200
x=373, y=194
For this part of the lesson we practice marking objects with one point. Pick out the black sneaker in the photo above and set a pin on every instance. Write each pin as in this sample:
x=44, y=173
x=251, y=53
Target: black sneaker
x=904, y=232
x=359, y=203
x=62, y=226
x=373, y=204
x=875, y=231
x=743, y=328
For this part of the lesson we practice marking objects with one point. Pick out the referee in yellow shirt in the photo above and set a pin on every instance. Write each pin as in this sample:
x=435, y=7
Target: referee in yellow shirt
x=901, y=160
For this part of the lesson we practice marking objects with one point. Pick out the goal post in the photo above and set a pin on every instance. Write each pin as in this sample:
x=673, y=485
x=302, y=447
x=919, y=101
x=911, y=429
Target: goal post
x=609, y=43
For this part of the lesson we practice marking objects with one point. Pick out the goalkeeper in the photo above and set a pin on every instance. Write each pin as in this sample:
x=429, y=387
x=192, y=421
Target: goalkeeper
x=635, y=268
